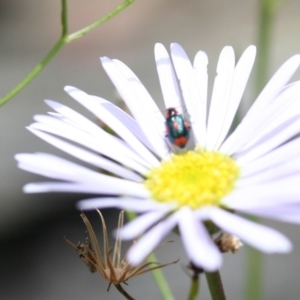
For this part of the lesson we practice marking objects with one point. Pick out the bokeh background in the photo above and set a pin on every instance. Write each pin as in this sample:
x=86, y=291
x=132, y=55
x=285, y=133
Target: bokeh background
x=35, y=262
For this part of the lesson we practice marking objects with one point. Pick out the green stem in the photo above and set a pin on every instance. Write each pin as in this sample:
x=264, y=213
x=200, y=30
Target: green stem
x=254, y=280
x=254, y=272
x=157, y=274
x=17, y=89
x=33, y=73
x=160, y=280
x=64, y=18
x=194, y=289
x=264, y=43
x=215, y=286
x=64, y=39
x=267, y=12
x=78, y=34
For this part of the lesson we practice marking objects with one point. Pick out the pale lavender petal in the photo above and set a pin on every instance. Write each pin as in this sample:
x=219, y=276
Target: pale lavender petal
x=115, y=124
x=284, y=108
x=265, y=194
x=127, y=157
x=149, y=241
x=220, y=101
x=55, y=167
x=73, y=118
x=200, y=70
x=241, y=75
x=126, y=119
x=258, y=236
x=130, y=204
x=271, y=140
x=103, y=143
x=276, y=83
x=288, y=171
x=192, y=96
x=272, y=89
x=89, y=157
x=276, y=158
x=284, y=212
x=142, y=223
x=198, y=244
x=48, y=187
x=167, y=78
x=138, y=100
x=150, y=113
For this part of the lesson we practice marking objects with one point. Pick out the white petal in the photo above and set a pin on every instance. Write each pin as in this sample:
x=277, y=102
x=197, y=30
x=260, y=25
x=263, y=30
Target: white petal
x=196, y=106
x=241, y=75
x=167, y=78
x=140, y=103
x=148, y=242
x=200, y=69
x=131, y=204
x=85, y=133
x=269, y=93
x=265, y=194
x=89, y=157
x=271, y=141
x=115, y=124
x=284, y=212
x=61, y=169
x=259, y=236
x=198, y=244
x=288, y=171
x=74, y=117
x=126, y=119
x=48, y=187
x=152, y=121
x=276, y=158
x=276, y=83
x=105, y=144
x=220, y=101
x=284, y=108
x=55, y=167
x=142, y=223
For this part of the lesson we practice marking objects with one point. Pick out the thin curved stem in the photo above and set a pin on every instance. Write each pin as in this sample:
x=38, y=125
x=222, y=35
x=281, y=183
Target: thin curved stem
x=194, y=289
x=18, y=88
x=32, y=74
x=64, y=18
x=215, y=286
x=160, y=280
x=78, y=34
x=64, y=39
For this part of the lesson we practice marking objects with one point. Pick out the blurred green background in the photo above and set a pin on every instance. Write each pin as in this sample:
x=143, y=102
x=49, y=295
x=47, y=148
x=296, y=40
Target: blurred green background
x=35, y=262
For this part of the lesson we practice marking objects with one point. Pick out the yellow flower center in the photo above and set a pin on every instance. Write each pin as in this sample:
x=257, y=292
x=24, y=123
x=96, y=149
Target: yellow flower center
x=194, y=178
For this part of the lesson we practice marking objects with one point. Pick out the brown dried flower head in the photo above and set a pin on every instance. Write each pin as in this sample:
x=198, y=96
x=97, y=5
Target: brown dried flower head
x=111, y=267
x=228, y=243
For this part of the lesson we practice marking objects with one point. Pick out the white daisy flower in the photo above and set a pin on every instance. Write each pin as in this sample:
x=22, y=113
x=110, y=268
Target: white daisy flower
x=255, y=170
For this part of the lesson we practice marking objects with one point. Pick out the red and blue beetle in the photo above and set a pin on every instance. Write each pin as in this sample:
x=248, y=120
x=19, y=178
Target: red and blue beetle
x=177, y=129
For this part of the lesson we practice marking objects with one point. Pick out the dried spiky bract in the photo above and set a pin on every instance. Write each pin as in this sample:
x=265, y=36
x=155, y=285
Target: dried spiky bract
x=109, y=263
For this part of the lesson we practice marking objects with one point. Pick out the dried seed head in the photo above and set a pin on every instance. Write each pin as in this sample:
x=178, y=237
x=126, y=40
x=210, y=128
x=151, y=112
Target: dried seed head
x=228, y=243
x=109, y=263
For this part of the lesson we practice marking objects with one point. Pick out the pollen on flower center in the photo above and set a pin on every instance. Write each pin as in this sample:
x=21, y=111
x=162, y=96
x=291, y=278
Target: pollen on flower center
x=193, y=178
